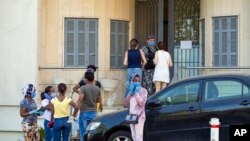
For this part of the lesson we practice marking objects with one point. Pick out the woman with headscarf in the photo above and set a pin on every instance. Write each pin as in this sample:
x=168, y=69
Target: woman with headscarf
x=136, y=100
x=28, y=112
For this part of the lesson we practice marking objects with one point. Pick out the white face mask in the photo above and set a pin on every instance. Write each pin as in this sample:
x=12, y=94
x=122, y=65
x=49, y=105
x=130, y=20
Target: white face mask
x=53, y=95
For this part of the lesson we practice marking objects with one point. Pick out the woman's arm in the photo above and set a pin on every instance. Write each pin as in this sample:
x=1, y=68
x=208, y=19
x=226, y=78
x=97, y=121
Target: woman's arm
x=170, y=63
x=125, y=62
x=156, y=58
x=144, y=61
x=76, y=87
x=127, y=100
x=46, y=104
x=75, y=106
x=99, y=100
x=52, y=110
x=141, y=97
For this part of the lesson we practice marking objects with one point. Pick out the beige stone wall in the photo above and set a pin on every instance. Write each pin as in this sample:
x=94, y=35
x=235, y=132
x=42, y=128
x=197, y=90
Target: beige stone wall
x=240, y=8
x=51, y=45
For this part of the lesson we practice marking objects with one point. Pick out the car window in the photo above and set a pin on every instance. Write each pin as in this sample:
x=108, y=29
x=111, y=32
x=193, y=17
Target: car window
x=221, y=89
x=185, y=93
x=246, y=91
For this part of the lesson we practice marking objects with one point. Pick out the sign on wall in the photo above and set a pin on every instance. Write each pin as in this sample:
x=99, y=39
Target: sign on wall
x=186, y=44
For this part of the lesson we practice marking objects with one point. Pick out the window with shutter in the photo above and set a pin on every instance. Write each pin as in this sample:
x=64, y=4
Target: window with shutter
x=225, y=41
x=118, y=43
x=81, y=42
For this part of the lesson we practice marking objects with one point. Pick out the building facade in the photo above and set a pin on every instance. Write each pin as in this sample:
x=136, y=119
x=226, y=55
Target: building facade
x=50, y=41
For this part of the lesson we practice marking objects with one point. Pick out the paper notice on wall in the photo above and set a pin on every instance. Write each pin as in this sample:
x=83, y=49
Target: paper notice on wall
x=186, y=44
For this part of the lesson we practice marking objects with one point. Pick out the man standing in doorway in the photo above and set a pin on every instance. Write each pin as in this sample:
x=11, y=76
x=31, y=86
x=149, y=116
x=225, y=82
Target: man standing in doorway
x=147, y=77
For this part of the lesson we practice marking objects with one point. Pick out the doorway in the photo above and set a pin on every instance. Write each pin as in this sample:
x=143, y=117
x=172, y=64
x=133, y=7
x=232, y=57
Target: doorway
x=172, y=21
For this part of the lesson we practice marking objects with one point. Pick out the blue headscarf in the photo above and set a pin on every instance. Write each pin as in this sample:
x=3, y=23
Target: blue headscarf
x=133, y=87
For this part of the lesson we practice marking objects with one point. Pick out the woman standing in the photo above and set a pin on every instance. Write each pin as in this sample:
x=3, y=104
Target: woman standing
x=28, y=112
x=162, y=61
x=60, y=105
x=46, y=96
x=136, y=100
x=134, y=59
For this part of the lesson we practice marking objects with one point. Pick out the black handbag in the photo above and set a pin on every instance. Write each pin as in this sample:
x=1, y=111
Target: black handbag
x=131, y=119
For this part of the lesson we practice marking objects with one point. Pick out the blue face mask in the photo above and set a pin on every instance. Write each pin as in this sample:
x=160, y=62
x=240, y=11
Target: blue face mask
x=151, y=43
x=53, y=95
x=33, y=95
x=136, y=84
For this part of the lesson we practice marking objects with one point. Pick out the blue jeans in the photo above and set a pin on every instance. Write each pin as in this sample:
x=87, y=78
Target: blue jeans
x=48, y=131
x=61, y=127
x=131, y=71
x=84, y=120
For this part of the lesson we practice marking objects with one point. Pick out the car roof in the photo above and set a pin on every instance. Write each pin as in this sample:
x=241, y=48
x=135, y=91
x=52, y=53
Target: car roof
x=243, y=76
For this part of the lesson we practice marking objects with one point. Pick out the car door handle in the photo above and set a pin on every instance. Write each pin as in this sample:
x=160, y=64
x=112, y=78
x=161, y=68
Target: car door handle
x=191, y=109
x=244, y=103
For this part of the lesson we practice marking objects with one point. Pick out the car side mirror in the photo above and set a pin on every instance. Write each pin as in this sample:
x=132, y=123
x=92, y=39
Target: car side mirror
x=153, y=104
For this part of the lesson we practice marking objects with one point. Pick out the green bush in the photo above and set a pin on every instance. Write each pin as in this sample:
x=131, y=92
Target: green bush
x=42, y=133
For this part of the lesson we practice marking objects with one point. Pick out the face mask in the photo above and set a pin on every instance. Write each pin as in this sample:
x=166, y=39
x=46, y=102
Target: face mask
x=53, y=95
x=136, y=84
x=151, y=43
x=33, y=95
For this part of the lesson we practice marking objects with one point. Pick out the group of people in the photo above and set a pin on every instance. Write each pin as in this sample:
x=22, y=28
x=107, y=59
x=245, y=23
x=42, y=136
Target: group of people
x=57, y=122
x=144, y=66
x=151, y=62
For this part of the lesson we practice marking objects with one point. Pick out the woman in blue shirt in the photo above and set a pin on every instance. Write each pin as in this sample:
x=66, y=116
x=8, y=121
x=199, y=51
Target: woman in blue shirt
x=134, y=60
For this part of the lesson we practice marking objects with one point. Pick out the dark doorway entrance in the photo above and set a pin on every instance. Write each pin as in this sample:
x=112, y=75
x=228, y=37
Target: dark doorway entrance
x=152, y=18
x=172, y=21
x=147, y=19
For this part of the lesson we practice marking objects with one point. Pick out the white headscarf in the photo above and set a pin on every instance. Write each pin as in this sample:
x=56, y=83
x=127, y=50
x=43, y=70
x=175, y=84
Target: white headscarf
x=28, y=90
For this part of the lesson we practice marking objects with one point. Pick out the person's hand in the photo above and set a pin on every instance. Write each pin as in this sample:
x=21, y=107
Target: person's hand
x=47, y=96
x=127, y=84
x=39, y=113
x=137, y=89
x=71, y=119
x=51, y=124
x=131, y=88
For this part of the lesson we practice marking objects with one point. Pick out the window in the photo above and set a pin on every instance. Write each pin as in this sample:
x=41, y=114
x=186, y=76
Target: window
x=220, y=89
x=118, y=43
x=225, y=41
x=185, y=93
x=80, y=42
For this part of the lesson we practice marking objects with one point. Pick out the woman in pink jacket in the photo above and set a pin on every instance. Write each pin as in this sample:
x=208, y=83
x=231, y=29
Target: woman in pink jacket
x=136, y=100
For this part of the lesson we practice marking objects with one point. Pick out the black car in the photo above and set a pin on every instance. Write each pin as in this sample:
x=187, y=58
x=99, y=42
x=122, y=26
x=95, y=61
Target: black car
x=182, y=111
